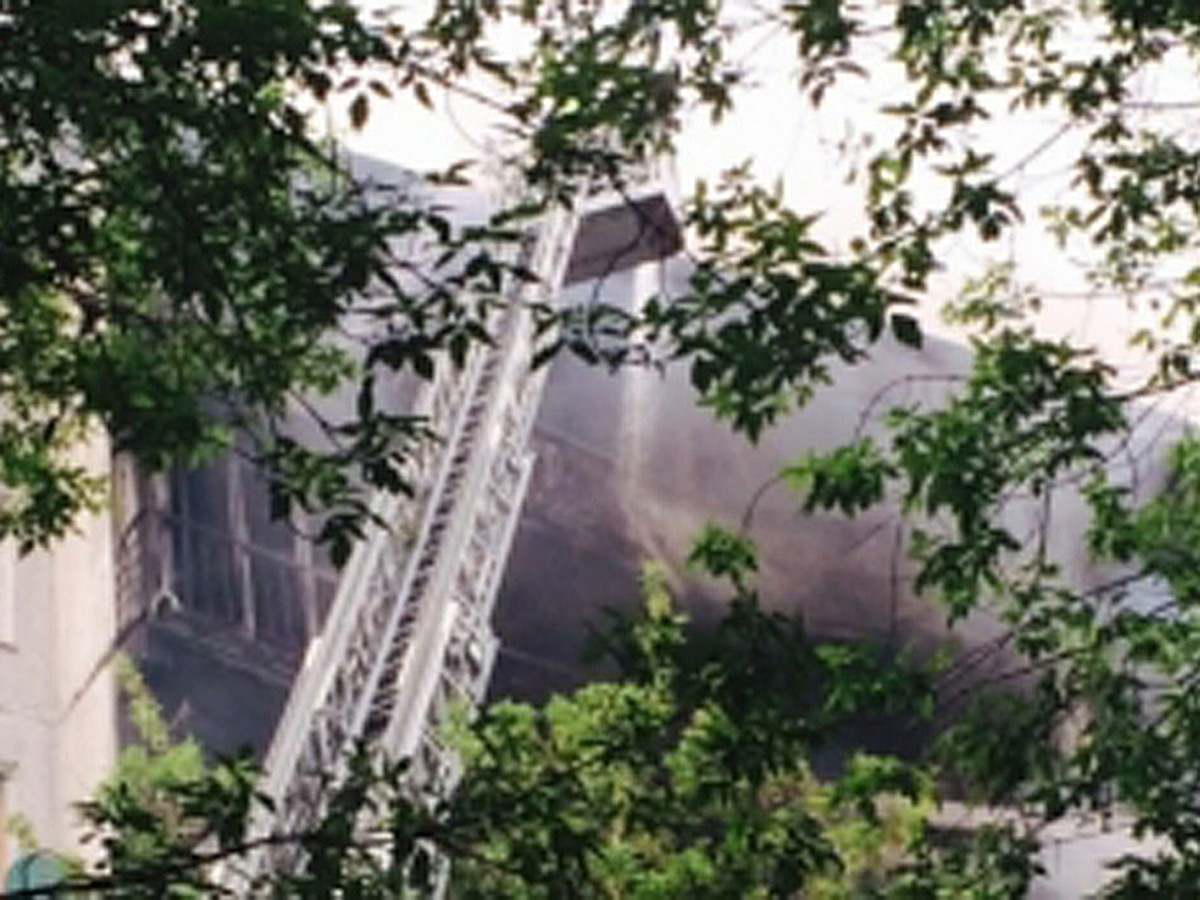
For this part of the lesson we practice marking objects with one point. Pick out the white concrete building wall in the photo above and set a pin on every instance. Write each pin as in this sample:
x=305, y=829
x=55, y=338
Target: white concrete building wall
x=57, y=701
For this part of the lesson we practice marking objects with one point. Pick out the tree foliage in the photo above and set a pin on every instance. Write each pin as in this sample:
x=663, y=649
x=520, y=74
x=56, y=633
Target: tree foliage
x=179, y=244
x=686, y=776
x=162, y=803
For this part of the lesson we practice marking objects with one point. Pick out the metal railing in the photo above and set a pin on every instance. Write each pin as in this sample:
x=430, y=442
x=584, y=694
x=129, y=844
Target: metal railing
x=409, y=628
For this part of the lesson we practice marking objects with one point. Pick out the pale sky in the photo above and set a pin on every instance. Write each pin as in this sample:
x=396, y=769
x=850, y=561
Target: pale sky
x=812, y=151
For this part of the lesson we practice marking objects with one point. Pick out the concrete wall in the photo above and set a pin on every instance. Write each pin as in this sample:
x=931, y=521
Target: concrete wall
x=630, y=468
x=57, y=703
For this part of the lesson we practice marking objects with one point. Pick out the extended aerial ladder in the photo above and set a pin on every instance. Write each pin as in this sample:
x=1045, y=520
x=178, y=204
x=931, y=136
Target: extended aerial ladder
x=408, y=633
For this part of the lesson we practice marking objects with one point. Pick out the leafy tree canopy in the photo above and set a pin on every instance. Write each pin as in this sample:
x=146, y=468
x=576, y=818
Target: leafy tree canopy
x=688, y=776
x=180, y=242
x=178, y=246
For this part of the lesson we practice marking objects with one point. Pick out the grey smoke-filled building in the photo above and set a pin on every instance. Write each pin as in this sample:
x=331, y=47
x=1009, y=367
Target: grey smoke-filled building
x=624, y=469
x=240, y=603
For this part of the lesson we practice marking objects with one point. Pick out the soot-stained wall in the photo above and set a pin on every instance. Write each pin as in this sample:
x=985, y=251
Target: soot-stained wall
x=629, y=469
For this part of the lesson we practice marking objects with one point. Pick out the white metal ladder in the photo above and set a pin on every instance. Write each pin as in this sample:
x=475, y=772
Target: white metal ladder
x=409, y=629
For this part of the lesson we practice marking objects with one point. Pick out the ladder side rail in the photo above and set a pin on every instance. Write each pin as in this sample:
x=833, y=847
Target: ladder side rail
x=305, y=725
x=329, y=655
x=419, y=670
x=406, y=594
x=333, y=650
x=547, y=257
x=316, y=673
x=419, y=675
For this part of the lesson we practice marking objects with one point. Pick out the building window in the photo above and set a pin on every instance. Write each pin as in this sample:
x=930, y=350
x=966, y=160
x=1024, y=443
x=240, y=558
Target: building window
x=8, y=593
